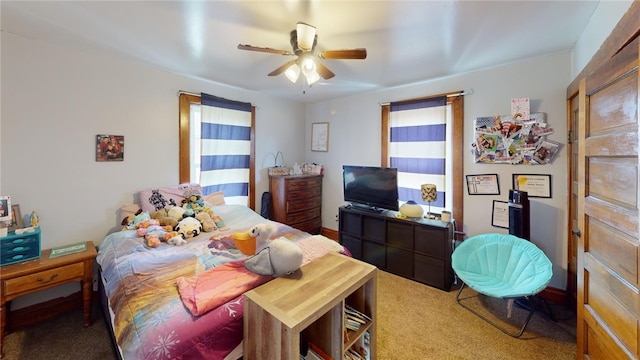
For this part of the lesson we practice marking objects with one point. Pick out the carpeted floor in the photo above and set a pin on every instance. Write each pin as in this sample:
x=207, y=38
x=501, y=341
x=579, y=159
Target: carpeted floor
x=421, y=322
x=414, y=322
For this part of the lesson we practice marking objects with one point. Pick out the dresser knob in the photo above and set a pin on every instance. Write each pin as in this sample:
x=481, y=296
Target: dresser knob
x=51, y=278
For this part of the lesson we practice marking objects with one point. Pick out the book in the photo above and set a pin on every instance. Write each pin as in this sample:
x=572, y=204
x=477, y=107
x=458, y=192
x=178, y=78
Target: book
x=316, y=351
x=68, y=249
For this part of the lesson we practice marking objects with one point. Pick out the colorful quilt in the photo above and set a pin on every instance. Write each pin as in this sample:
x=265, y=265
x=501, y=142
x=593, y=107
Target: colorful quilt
x=150, y=320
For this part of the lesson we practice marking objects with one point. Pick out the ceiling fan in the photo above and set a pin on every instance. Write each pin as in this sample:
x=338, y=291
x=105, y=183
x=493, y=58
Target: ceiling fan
x=303, y=42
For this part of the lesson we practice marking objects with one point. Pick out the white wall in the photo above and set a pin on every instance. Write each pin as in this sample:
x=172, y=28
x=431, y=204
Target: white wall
x=56, y=100
x=603, y=20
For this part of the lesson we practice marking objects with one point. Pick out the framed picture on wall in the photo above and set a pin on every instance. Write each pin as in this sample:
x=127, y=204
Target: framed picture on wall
x=500, y=214
x=535, y=185
x=320, y=136
x=485, y=184
x=109, y=148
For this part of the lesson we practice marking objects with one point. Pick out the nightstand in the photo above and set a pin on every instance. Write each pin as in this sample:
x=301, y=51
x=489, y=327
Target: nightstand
x=43, y=273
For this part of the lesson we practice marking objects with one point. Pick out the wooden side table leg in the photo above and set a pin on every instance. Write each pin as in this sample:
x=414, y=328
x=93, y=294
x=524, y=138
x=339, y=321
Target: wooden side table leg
x=86, y=298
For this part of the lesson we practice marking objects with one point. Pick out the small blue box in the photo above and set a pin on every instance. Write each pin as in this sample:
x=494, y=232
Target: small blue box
x=16, y=248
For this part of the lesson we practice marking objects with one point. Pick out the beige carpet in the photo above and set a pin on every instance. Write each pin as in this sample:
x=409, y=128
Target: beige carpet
x=415, y=321
x=421, y=322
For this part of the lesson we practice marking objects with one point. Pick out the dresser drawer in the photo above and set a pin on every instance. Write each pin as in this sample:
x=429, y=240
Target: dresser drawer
x=313, y=226
x=304, y=193
x=297, y=204
x=302, y=216
x=42, y=278
x=304, y=183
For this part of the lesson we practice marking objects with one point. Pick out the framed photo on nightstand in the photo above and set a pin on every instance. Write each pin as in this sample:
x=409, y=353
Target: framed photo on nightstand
x=16, y=218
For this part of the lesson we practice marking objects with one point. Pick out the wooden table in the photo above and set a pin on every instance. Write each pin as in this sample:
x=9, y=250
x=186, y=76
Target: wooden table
x=43, y=273
x=310, y=302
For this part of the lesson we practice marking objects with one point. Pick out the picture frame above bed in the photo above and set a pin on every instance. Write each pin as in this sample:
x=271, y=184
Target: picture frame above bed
x=109, y=148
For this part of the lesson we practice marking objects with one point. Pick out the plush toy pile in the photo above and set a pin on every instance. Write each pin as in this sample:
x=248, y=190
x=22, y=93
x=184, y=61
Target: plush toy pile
x=174, y=224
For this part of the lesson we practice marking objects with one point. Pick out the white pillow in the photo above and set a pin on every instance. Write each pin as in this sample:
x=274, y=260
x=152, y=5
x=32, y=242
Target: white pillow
x=215, y=199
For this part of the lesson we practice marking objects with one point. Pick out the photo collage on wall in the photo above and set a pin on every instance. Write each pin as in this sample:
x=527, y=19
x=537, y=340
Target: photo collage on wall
x=515, y=139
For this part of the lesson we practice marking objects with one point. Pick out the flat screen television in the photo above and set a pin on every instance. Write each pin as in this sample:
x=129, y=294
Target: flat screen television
x=371, y=187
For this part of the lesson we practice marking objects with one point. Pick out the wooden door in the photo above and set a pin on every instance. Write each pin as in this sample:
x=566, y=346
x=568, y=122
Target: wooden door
x=573, y=142
x=608, y=178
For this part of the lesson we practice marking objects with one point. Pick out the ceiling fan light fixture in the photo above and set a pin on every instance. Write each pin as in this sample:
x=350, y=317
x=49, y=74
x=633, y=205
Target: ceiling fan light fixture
x=306, y=35
x=308, y=66
x=292, y=73
x=312, y=77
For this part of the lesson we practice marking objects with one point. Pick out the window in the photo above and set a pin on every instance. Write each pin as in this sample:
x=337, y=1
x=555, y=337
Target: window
x=423, y=138
x=223, y=160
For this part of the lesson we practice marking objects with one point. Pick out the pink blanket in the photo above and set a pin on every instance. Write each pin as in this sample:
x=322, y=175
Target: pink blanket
x=217, y=286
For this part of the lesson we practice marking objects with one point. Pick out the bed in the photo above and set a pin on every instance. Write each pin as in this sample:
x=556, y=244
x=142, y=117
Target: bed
x=151, y=317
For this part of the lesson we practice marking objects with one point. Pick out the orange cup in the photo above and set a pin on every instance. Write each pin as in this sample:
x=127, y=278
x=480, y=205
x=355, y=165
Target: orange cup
x=245, y=243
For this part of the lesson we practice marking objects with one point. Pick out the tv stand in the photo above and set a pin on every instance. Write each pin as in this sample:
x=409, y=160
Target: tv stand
x=418, y=249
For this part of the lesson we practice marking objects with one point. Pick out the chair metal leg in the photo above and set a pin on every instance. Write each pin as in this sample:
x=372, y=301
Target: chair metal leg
x=515, y=335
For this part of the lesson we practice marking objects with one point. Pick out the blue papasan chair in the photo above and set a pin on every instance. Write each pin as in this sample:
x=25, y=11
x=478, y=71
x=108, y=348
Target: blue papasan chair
x=502, y=266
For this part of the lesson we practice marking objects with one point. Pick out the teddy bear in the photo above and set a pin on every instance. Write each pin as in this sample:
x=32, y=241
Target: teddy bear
x=278, y=257
x=176, y=212
x=162, y=215
x=208, y=225
x=188, y=227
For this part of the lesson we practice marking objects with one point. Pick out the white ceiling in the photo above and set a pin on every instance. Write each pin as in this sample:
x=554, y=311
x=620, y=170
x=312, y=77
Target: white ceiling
x=406, y=41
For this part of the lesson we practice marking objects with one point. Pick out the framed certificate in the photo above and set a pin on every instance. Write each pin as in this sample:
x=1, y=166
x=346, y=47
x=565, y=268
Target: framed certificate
x=500, y=214
x=535, y=185
x=486, y=184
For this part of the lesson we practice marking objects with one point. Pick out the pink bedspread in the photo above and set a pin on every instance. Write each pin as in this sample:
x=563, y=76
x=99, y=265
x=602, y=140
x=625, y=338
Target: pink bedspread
x=150, y=320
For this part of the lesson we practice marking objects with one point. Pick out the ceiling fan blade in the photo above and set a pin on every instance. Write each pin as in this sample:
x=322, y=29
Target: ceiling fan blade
x=264, y=49
x=360, y=53
x=282, y=68
x=324, y=71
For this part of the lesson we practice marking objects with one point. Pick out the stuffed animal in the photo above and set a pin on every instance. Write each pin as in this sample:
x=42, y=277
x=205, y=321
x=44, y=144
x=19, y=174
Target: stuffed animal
x=146, y=223
x=208, y=225
x=217, y=219
x=193, y=202
x=262, y=233
x=175, y=212
x=188, y=227
x=163, y=217
x=174, y=238
x=277, y=257
x=154, y=234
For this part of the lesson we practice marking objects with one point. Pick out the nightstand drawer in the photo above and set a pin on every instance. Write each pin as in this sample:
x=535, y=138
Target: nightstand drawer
x=43, y=278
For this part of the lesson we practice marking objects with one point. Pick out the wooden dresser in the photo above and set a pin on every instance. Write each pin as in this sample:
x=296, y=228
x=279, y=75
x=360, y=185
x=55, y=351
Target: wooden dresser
x=297, y=201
